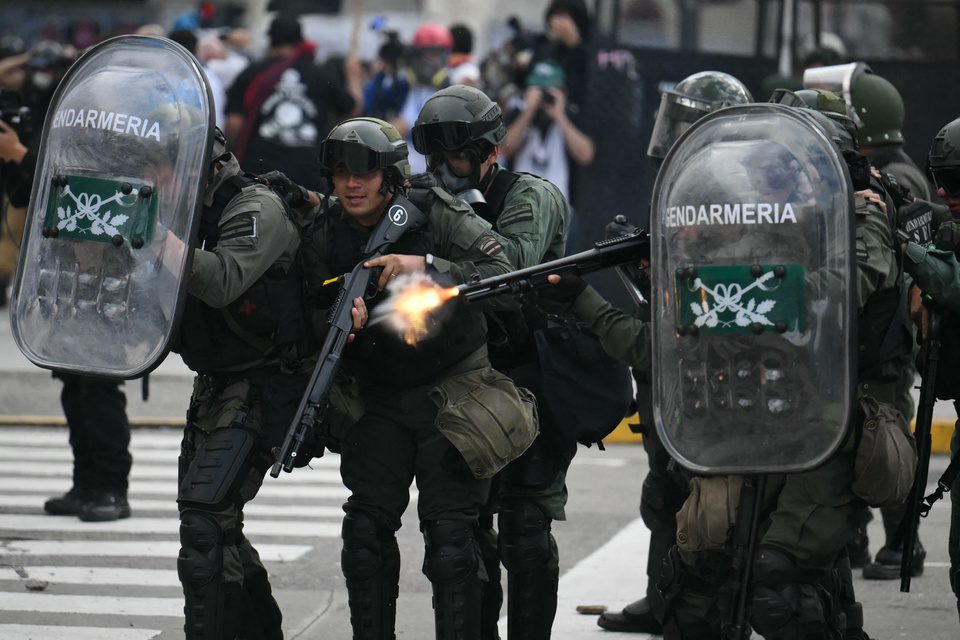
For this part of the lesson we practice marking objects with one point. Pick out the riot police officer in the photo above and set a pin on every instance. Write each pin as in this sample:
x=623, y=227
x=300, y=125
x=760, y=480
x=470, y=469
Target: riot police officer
x=418, y=419
x=878, y=106
x=664, y=488
x=936, y=272
x=459, y=130
x=244, y=333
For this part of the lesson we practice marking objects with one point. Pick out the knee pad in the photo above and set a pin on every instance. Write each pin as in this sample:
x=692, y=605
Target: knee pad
x=451, y=551
x=526, y=543
x=790, y=603
x=218, y=465
x=367, y=546
x=201, y=548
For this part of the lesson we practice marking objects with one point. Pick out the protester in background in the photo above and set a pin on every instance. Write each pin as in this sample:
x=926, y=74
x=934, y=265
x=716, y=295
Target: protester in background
x=279, y=109
x=387, y=89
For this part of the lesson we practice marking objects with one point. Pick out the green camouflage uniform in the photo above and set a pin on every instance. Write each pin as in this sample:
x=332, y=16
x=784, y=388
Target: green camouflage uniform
x=532, y=226
x=254, y=401
x=937, y=273
x=397, y=439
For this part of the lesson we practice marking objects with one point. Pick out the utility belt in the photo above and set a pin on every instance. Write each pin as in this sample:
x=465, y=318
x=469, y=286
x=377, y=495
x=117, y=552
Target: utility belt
x=880, y=390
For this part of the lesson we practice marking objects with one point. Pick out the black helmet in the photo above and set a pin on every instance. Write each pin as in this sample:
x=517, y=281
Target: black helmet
x=691, y=99
x=362, y=145
x=458, y=118
x=830, y=113
x=944, y=159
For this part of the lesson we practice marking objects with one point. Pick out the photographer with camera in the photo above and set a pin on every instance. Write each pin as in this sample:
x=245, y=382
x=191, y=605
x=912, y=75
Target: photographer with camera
x=543, y=138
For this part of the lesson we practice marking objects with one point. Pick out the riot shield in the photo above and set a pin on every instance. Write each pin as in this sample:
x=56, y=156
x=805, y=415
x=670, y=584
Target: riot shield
x=116, y=196
x=752, y=234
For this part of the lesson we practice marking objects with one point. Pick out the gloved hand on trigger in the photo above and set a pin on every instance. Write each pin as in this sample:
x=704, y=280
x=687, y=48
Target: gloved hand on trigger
x=563, y=289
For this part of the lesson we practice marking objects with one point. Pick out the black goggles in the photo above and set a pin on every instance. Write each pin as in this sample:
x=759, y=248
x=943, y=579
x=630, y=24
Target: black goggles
x=435, y=137
x=355, y=158
x=948, y=179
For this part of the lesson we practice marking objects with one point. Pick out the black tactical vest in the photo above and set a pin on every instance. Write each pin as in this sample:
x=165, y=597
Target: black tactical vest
x=266, y=322
x=378, y=356
x=509, y=333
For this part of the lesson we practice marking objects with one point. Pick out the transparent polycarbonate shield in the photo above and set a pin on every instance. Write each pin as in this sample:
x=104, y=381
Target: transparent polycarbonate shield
x=752, y=234
x=121, y=172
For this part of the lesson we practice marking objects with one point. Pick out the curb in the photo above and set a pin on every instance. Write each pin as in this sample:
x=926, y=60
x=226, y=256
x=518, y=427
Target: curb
x=940, y=433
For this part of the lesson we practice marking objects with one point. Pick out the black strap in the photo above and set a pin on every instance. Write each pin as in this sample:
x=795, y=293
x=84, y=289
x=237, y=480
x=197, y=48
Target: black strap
x=210, y=220
x=502, y=183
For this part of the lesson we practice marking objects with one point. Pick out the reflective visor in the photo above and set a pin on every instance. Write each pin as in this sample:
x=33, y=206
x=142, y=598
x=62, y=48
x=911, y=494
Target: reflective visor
x=434, y=137
x=948, y=179
x=356, y=158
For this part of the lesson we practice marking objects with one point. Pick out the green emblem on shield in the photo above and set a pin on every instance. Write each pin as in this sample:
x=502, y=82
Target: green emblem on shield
x=741, y=299
x=84, y=208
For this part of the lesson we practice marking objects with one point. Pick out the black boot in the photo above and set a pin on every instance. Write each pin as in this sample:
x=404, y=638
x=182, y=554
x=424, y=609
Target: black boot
x=69, y=503
x=636, y=617
x=886, y=566
x=104, y=506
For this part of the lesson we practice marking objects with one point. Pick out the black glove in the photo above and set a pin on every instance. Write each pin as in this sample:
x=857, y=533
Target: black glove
x=565, y=291
x=292, y=193
x=618, y=227
x=914, y=223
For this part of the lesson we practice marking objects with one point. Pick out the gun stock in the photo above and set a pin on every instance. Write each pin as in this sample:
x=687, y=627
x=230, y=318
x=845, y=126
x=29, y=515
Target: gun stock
x=356, y=283
x=605, y=254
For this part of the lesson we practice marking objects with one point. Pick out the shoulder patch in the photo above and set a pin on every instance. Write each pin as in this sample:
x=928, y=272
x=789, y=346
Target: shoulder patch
x=242, y=225
x=489, y=245
x=520, y=213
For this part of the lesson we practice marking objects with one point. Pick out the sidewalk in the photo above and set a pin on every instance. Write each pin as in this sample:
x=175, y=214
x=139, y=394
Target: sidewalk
x=30, y=395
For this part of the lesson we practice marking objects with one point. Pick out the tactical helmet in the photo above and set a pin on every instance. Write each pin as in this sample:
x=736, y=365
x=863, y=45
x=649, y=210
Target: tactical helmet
x=362, y=145
x=944, y=159
x=457, y=118
x=880, y=108
x=831, y=113
x=691, y=99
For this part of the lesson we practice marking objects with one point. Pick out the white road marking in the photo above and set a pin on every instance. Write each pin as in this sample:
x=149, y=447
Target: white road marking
x=269, y=489
x=50, y=632
x=615, y=575
x=251, y=509
x=62, y=469
x=12, y=549
x=99, y=604
x=164, y=526
x=94, y=576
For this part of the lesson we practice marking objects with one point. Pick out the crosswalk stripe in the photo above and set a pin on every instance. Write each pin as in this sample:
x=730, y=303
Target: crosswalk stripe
x=94, y=576
x=51, y=632
x=140, y=487
x=99, y=604
x=251, y=509
x=60, y=436
x=164, y=526
x=11, y=549
x=64, y=454
x=159, y=472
